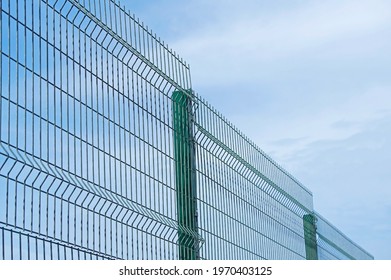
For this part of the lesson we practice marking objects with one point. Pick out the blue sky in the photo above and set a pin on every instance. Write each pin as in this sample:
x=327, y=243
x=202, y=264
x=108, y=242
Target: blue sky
x=310, y=83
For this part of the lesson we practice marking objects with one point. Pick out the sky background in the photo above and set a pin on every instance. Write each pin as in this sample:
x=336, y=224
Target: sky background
x=309, y=82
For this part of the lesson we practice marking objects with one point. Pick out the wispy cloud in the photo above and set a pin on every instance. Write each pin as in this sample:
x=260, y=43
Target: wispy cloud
x=337, y=121
x=239, y=49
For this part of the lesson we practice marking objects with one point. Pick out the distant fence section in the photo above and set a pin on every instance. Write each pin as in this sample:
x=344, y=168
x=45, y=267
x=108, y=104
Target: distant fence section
x=106, y=152
x=334, y=245
x=249, y=207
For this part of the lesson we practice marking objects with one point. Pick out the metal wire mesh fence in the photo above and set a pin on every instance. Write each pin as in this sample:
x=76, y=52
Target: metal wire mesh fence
x=106, y=153
x=249, y=207
x=334, y=245
x=85, y=114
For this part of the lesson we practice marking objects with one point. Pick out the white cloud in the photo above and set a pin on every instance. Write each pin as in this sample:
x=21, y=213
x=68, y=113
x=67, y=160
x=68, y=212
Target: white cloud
x=338, y=121
x=237, y=49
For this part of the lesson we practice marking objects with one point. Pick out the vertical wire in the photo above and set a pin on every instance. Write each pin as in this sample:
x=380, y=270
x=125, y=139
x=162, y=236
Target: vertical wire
x=128, y=155
x=133, y=155
x=207, y=184
x=39, y=72
x=121, y=140
x=159, y=166
x=65, y=94
x=25, y=119
x=90, y=229
x=149, y=137
x=89, y=124
x=33, y=124
x=224, y=200
x=85, y=124
x=125, y=104
x=120, y=127
x=108, y=181
x=17, y=124
x=114, y=156
x=155, y=172
x=112, y=136
x=160, y=158
x=101, y=167
x=71, y=111
x=139, y=142
x=143, y=196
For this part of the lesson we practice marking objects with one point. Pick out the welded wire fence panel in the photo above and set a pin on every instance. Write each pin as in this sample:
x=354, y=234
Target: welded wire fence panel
x=249, y=207
x=332, y=244
x=86, y=147
x=107, y=153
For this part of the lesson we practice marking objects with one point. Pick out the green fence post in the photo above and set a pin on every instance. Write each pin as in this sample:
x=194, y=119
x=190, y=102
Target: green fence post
x=311, y=247
x=184, y=153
